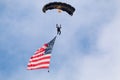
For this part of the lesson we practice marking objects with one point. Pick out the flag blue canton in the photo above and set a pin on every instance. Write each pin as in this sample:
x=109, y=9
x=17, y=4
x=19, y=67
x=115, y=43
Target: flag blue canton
x=50, y=46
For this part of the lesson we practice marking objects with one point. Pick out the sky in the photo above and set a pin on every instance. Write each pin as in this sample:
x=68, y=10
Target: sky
x=87, y=49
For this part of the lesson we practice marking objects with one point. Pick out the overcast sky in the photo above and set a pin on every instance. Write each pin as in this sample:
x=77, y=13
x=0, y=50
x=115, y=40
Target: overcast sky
x=87, y=49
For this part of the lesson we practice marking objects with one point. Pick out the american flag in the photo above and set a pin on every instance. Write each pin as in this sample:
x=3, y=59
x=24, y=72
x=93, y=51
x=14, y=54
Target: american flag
x=41, y=58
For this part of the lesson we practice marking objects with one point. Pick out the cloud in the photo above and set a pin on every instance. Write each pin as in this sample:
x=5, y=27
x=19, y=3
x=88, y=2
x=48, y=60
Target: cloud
x=105, y=64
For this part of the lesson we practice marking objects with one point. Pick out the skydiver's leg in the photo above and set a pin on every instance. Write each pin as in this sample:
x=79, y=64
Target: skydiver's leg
x=57, y=32
x=60, y=32
x=60, y=28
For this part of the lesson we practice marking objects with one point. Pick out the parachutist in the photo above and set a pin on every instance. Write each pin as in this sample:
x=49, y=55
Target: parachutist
x=58, y=29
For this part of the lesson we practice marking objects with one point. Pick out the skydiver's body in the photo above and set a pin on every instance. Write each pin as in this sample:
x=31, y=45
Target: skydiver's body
x=58, y=29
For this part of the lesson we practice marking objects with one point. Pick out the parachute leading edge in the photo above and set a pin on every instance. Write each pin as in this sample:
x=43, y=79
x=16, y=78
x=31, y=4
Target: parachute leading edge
x=60, y=6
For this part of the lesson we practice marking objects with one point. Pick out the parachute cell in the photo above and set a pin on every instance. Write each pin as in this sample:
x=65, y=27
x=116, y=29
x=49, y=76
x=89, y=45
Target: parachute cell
x=60, y=6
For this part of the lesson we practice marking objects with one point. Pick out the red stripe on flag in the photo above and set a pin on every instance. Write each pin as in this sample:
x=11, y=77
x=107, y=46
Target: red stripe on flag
x=47, y=57
x=36, y=56
x=41, y=63
x=45, y=67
